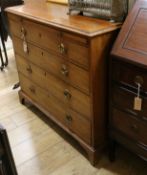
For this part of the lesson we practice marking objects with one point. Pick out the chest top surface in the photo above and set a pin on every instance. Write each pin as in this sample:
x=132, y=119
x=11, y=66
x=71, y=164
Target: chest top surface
x=131, y=43
x=56, y=15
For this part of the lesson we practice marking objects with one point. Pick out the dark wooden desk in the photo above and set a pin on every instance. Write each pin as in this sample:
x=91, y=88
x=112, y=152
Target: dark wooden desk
x=128, y=83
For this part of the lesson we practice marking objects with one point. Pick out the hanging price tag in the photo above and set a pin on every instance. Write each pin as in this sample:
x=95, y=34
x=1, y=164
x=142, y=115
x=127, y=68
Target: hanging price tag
x=137, y=103
x=138, y=100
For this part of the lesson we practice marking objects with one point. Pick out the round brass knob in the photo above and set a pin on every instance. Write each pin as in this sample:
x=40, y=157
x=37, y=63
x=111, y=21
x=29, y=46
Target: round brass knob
x=138, y=80
x=67, y=94
x=68, y=119
x=62, y=48
x=29, y=70
x=135, y=128
x=64, y=70
x=32, y=89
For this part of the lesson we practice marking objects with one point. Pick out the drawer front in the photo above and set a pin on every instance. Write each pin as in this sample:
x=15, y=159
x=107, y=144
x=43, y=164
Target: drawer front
x=15, y=27
x=44, y=36
x=70, y=119
x=35, y=74
x=126, y=124
x=124, y=99
x=143, y=134
x=68, y=72
x=129, y=75
x=71, y=47
x=75, y=99
x=76, y=53
x=130, y=126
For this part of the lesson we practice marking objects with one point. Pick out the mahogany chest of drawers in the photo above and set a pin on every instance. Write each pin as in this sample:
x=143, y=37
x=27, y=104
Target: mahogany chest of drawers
x=62, y=67
x=128, y=84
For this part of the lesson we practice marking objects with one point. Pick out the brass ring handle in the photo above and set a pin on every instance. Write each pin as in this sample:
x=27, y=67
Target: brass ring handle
x=64, y=70
x=138, y=80
x=29, y=69
x=134, y=128
x=23, y=32
x=69, y=119
x=67, y=94
x=32, y=89
x=62, y=48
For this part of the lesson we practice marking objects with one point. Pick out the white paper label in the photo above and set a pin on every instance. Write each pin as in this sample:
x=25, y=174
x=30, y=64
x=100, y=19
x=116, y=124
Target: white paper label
x=25, y=47
x=137, y=103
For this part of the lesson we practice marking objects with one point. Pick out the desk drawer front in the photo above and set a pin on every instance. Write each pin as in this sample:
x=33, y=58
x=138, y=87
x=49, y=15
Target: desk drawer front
x=70, y=119
x=124, y=99
x=56, y=87
x=130, y=126
x=129, y=75
x=66, y=71
x=125, y=123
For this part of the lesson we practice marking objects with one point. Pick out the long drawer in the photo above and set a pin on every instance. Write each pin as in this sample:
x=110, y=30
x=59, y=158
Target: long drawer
x=74, y=48
x=70, y=119
x=56, y=65
x=70, y=96
x=132, y=127
x=122, y=74
x=124, y=99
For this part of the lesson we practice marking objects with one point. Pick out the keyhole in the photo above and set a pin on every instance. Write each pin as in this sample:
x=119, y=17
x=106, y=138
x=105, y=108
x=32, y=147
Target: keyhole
x=40, y=35
x=42, y=53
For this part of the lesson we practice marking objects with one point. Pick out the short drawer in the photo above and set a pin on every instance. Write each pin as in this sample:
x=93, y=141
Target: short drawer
x=124, y=99
x=35, y=74
x=43, y=36
x=15, y=24
x=129, y=75
x=70, y=96
x=76, y=53
x=135, y=129
x=56, y=65
x=72, y=120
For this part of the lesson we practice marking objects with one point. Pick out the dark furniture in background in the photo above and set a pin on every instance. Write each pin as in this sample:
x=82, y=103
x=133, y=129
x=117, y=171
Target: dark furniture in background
x=2, y=40
x=128, y=84
x=4, y=29
x=7, y=165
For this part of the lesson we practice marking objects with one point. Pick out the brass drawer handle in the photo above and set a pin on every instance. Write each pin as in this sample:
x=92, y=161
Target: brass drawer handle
x=29, y=70
x=67, y=94
x=138, y=80
x=23, y=33
x=69, y=119
x=135, y=128
x=62, y=48
x=32, y=89
x=64, y=70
